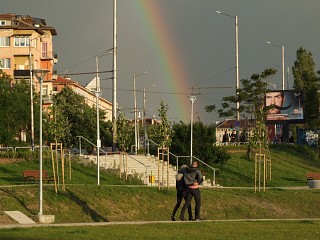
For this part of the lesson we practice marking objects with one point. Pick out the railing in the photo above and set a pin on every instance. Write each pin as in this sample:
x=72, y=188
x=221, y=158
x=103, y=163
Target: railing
x=146, y=166
x=177, y=159
x=7, y=149
x=229, y=143
x=81, y=137
x=18, y=148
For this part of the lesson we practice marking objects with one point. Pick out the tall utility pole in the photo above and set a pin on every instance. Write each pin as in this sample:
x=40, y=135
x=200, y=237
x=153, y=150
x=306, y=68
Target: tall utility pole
x=282, y=60
x=31, y=88
x=31, y=96
x=145, y=137
x=237, y=67
x=114, y=83
x=135, y=115
x=136, y=132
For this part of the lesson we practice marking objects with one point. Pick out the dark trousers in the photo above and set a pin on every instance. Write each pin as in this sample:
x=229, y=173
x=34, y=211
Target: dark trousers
x=180, y=196
x=192, y=192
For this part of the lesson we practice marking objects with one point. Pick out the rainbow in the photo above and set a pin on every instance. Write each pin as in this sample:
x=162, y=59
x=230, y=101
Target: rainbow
x=160, y=36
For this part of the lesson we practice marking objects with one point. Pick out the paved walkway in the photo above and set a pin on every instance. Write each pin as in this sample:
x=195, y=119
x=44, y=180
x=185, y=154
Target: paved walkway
x=2, y=226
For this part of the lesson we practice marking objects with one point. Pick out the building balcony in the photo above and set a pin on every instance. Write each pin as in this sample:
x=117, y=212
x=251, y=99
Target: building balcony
x=48, y=99
x=21, y=73
x=47, y=55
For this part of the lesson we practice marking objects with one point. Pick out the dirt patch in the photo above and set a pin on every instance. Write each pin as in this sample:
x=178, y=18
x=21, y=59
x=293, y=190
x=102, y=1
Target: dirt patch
x=10, y=160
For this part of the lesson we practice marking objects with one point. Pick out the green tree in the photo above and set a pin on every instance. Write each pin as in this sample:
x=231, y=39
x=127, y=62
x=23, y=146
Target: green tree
x=203, y=139
x=78, y=118
x=14, y=109
x=58, y=127
x=124, y=133
x=163, y=134
x=251, y=98
x=305, y=78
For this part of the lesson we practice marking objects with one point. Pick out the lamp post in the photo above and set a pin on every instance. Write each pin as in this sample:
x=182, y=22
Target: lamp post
x=237, y=64
x=136, y=135
x=192, y=99
x=98, y=94
x=274, y=86
x=40, y=74
x=282, y=59
x=114, y=82
x=145, y=121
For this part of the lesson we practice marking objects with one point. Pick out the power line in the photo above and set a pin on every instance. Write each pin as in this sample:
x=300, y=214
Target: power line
x=169, y=93
x=86, y=73
x=85, y=60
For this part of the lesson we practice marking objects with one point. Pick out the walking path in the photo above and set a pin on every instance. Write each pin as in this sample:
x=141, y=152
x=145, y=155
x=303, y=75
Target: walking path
x=3, y=226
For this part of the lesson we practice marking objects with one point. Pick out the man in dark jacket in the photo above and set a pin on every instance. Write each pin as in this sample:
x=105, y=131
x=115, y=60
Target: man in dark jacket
x=181, y=192
x=192, y=178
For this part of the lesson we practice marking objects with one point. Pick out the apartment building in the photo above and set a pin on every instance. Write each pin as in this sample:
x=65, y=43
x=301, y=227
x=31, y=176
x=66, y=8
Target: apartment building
x=26, y=44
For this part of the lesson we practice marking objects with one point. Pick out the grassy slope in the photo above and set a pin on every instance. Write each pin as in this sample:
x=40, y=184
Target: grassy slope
x=289, y=168
x=84, y=201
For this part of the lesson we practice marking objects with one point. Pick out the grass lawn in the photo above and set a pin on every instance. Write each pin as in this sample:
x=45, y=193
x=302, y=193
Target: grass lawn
x=117, y=200
x=257, y=230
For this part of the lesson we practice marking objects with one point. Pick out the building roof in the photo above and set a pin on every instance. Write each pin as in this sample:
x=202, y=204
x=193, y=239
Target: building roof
x=67, y=81
x=61, y=80
x=26, y=22
x=231, y=122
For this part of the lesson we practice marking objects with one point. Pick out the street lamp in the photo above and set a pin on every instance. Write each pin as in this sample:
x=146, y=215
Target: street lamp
x=136, y=136
x=98, y=94
x=40, y=74
x=237, y=64
x=274, y=86
x=192, y=99
x=114, y=82
x=282, y=53
x=144, y=120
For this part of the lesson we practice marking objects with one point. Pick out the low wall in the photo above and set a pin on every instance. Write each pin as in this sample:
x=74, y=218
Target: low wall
x=314, y=184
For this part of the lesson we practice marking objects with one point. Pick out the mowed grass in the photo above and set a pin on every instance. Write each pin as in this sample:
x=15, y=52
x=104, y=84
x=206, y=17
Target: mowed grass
x=232, y=210
x=289, y=165
x=83, y=203
x=258, y=230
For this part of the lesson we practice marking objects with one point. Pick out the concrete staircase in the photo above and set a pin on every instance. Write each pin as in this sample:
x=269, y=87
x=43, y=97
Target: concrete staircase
x=148, y=168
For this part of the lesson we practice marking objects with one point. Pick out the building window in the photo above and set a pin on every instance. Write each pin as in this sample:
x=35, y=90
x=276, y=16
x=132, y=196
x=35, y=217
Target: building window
x=5, y=63
x=21, y=41
x=2, y=23
x=45, y=90
x=44, y=51
x=4, y=41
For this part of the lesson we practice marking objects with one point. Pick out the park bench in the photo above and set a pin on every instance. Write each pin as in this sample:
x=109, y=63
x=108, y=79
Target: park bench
x=34, y=175
x=313, y=176
x=313, y=180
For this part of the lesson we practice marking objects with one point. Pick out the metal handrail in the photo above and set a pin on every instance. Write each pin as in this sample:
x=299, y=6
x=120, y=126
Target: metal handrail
x=143, y=165
x=90, y=143
x=17, y=148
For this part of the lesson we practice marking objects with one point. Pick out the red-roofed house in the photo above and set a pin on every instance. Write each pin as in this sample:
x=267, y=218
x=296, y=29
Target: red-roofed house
x=231, y=125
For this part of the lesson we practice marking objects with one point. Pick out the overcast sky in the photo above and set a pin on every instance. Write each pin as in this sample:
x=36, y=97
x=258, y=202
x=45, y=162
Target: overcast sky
x=185, y=46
